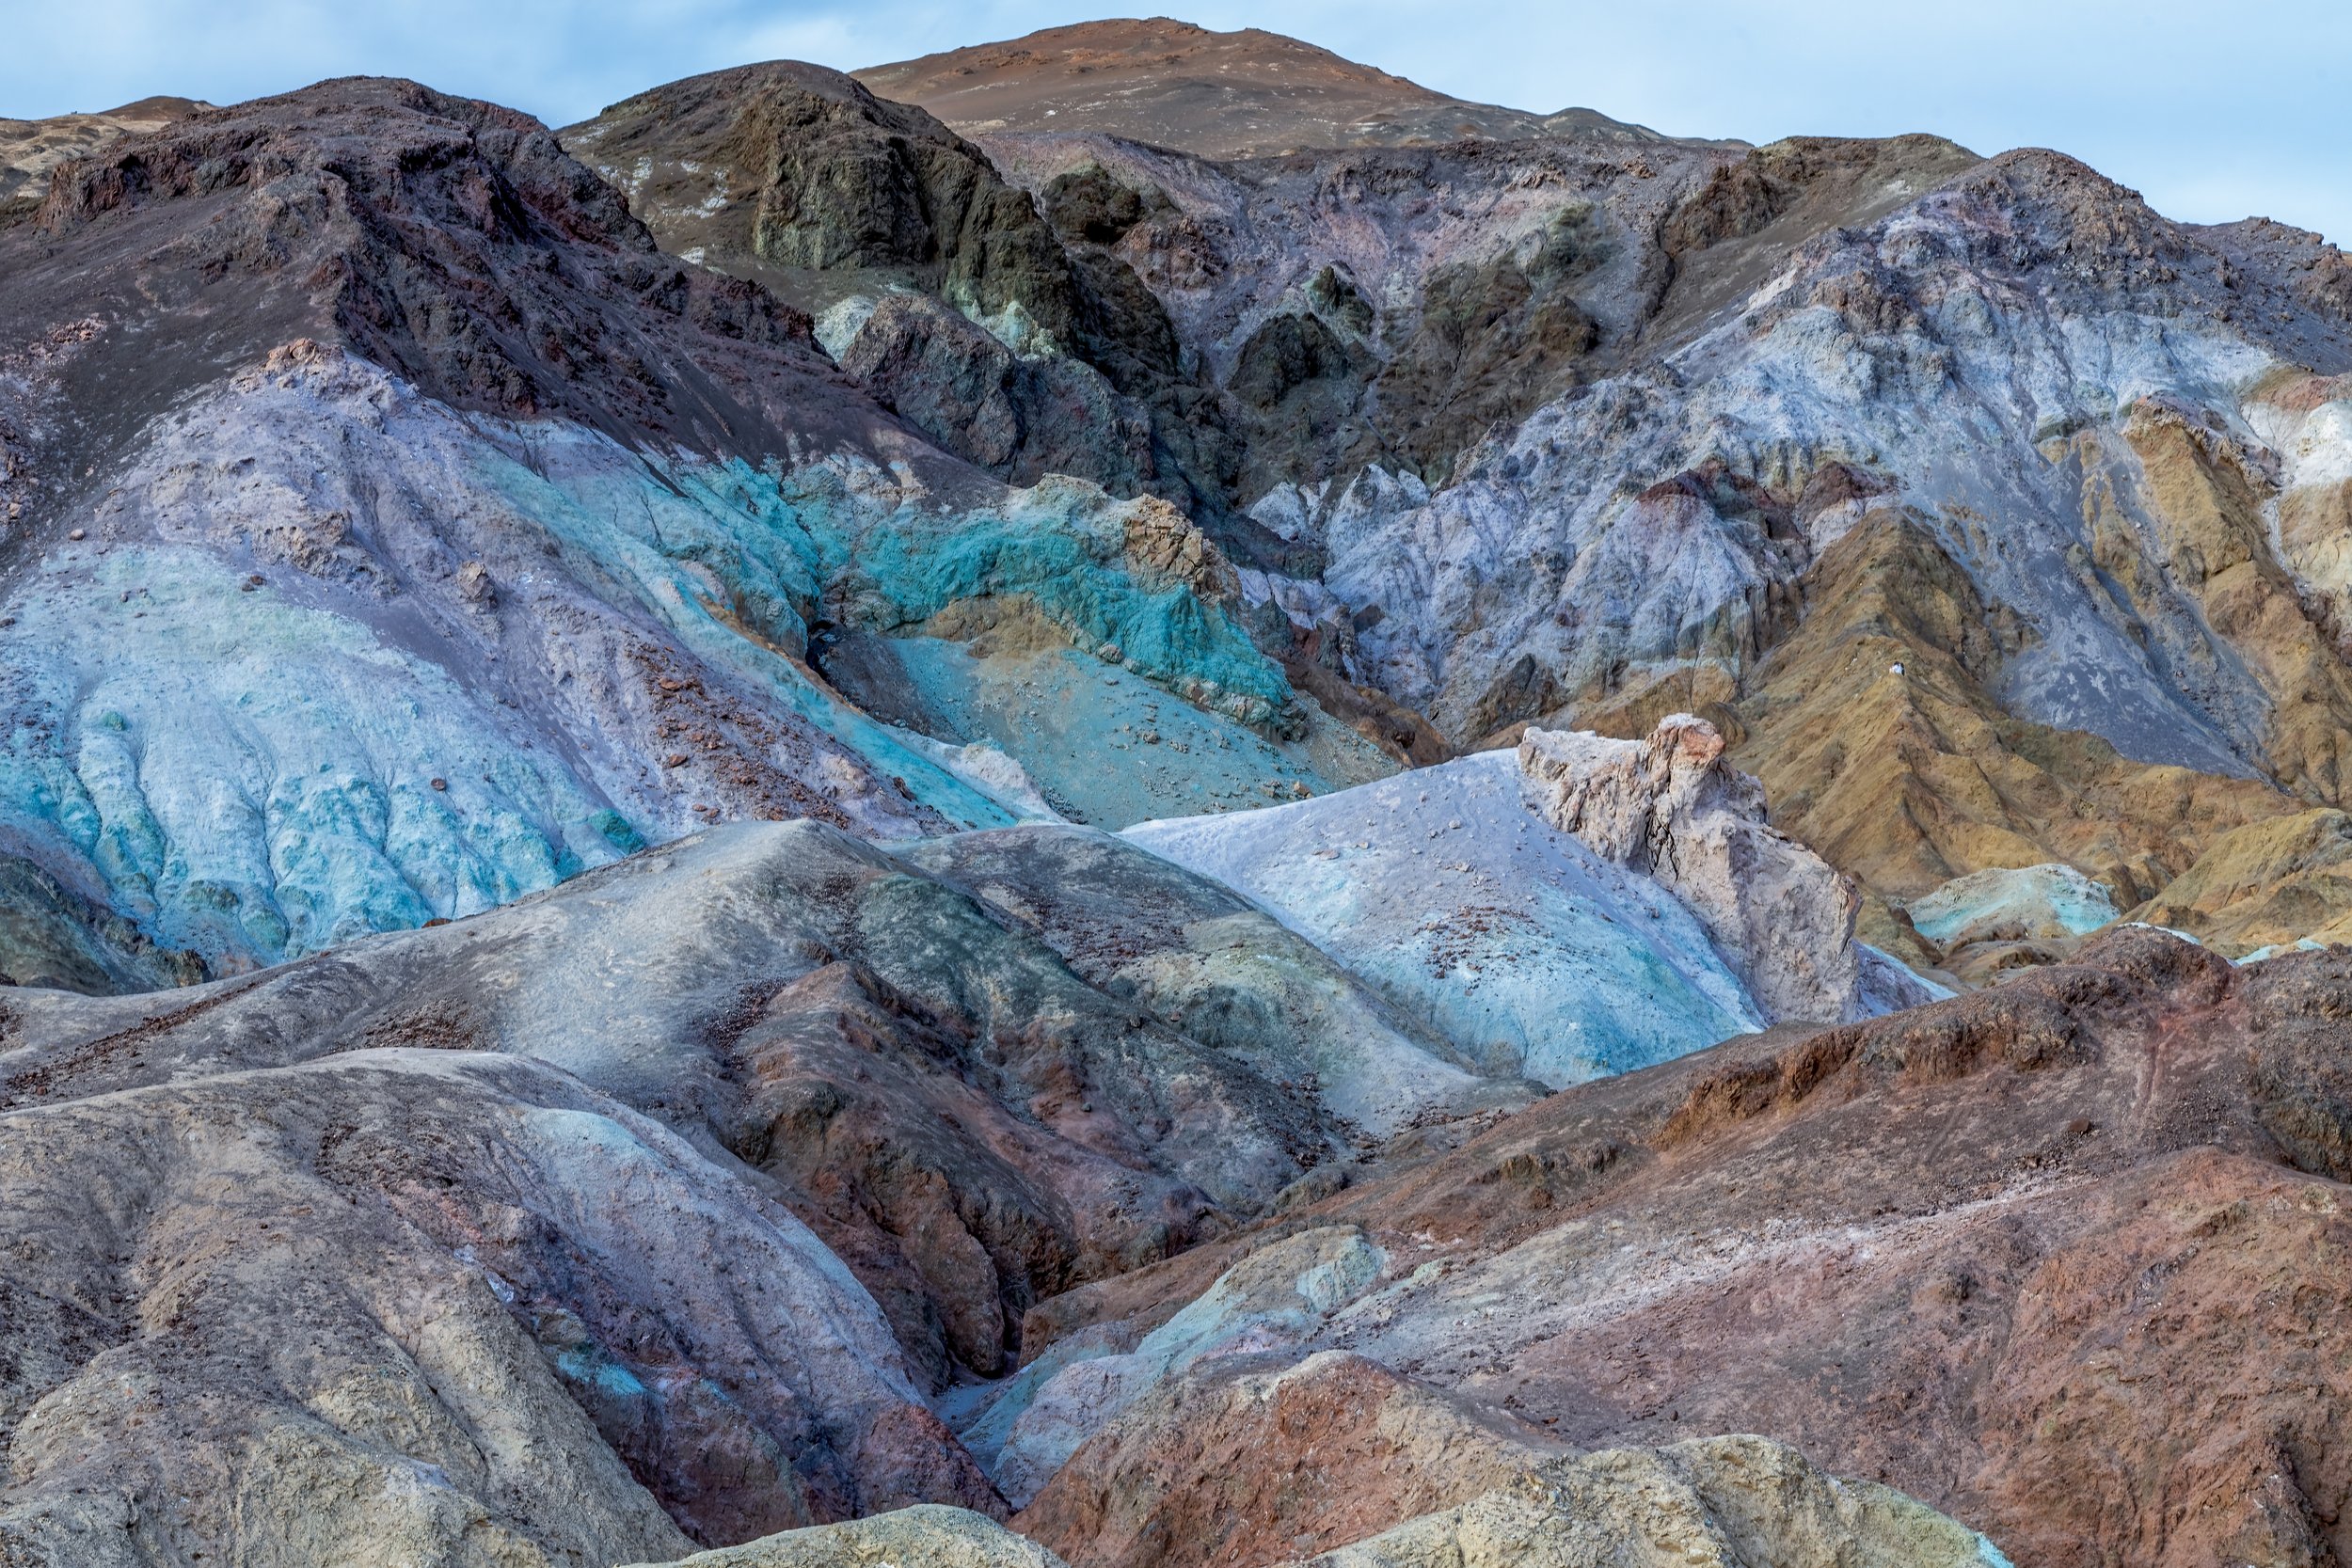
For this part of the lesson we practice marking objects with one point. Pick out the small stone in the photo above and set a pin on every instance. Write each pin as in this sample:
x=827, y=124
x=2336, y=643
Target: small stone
x=78, y=535
x=441, y=785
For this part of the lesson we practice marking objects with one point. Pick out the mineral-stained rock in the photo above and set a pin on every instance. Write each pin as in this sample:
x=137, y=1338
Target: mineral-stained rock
x=1258, y=1456
x=1996, y=523
x=801, y=178
x=2043, y=1257
x=786, y=169
x=928, y=1534
x=1274, y=1298
x=1018, y=417
x=1874, y=728
x=2134, y=569
x=1204, y=958
x=2030, y=903
x=1671, y=808
x=970, y=1123
x=537, y=611
x=401, y=1305
x=822, y=1028
x=1479, y=921
x=50, y=936
x=1260, y=1459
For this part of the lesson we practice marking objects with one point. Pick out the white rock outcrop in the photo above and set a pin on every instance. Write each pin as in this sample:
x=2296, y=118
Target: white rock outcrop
x=1673, y=809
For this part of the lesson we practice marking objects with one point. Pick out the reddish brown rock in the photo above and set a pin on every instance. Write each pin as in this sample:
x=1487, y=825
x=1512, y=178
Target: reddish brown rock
x=1250, y=1462
x=2064, y=1259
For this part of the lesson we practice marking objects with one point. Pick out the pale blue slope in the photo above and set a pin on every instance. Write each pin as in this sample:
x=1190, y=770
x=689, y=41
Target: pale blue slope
x=1463, y=906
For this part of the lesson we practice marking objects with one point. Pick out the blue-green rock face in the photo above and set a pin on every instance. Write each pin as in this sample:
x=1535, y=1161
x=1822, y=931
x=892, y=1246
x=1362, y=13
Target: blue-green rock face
x=1474, y=916
x=255, y=778
x=1060, y=548
x=332, y=658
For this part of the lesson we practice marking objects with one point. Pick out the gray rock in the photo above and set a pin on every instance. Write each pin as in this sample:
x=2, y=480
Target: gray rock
x=1671, y=808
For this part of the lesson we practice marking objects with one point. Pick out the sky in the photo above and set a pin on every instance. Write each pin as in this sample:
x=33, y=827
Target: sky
x=2212, y=112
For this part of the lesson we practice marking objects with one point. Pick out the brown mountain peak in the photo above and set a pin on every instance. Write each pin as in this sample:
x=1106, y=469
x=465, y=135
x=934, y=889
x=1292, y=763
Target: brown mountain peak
x=1241, y=94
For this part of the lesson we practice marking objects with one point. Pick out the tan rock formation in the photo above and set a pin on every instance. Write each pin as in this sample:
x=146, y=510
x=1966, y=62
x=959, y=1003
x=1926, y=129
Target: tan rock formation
x=1226, y=95
x=2269, y=883
x=1255, y=1462
x=1713, y=1502
x=2052, y=1257
x=2202, y=492
x=929, y=1534
x=29, y=149
x=1247, y=1462
x=1906, y=781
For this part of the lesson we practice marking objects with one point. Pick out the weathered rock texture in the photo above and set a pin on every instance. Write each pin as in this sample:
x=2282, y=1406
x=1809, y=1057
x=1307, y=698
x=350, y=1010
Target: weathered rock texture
x=1583, y=434
x=2053, y=1258
x=274, y=1321
x=943, y=290
x=53, y=937
x=1448, y=893
x=689, y=1181
x=1721, y=1502
x=1674, y=810
x=1203, y=1205
x=929, y=1534
x=970, y=1121
x=381, y=386
x=1909, y=780
x=2278, y=883
x=1338, y=1459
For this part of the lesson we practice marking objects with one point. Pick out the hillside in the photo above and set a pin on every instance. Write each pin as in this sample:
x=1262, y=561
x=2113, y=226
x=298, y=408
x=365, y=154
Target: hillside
x=1136, y=799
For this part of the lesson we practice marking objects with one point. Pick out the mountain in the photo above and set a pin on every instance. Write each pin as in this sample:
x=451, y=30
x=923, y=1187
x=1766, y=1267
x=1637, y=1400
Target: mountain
x=1264, y=820
x=1574, y=432
x=1579, y=433
x=1246, y=94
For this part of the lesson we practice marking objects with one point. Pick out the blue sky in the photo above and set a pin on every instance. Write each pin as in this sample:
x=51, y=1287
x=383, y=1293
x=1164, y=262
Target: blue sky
x=2212, y=112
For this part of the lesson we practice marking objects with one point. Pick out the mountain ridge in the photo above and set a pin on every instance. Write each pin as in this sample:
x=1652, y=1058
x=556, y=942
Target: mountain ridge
x=760, y=827
x=1168, y=83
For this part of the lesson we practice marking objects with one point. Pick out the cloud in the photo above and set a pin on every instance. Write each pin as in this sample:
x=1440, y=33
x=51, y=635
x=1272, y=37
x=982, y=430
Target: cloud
x=2212, y=116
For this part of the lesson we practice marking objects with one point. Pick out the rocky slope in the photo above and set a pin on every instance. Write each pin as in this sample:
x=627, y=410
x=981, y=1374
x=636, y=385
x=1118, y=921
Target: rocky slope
x=1540, y=427
x=655, y=1208
x=381, y=386
x=2058, y=1258
x=1555, y=912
